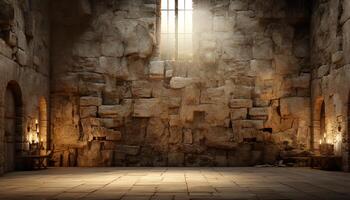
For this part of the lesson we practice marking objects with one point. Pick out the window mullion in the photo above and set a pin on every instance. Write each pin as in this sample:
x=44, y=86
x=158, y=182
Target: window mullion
x=176, y=29
x=167, y=39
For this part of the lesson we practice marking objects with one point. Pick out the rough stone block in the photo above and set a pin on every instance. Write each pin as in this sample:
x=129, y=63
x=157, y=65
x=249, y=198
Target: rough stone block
x=114, y=122
x=174, y=120
x=236, y=51
x=22, y=57
x=121, y=110
x=7, y=12
x=208, y=57
x=169, y=73
x=302, y=81
x=179, y=68
x=337, y=57
x=105, y=110
x=11, y=39
x=238, y=5
x=147, y=107
x=246, y=22
x=112, y=46
x=191, y=95
x=242, y=92
x=156, y=70
x=175, y=135
x=263, y=48
x=322, y=71
x=220, y=24
x=261, y=103
x=109, y=66
x=262, y=111
x=301, y=46
x=88, y=111
x=262, y=69
x=346, y=40
x=127, y=149
x=173, y=102
x=256, y=124
x=22, y=40
x=239, y=113
x=289, y=105
x=285, y=65
x=188, y=139
x=207, y=45
x=113, y=135
x=141, y=88
x=346, y=12
x=87, y=48
x=110, y=97
x=180, y=82
x=241, y=103
x=90, y=101
x=213, y=95
x=203, y=15
x=5, y=49
x=136, y=37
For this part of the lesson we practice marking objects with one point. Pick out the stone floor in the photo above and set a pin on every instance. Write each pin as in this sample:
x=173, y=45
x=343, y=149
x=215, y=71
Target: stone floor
x=175, y=184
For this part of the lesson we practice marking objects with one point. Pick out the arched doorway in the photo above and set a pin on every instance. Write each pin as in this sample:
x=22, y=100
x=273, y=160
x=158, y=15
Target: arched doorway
x=13, y=125
x=319, y=124
x=43, y=125
x=323, y=122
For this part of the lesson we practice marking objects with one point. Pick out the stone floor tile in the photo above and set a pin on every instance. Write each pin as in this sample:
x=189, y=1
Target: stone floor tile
x=175, y=184
x=134, y=197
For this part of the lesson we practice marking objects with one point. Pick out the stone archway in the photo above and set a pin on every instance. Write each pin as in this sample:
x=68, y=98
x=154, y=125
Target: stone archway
x=322, y=121
x=13, y=126
x=43, y=125
x=319, y=124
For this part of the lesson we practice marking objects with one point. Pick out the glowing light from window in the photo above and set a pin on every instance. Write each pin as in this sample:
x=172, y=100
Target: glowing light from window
x=176, y=29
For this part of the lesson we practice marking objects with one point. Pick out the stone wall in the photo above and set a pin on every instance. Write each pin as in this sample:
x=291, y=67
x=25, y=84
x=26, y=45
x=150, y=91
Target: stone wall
x=331, y=73
x=243, y=100
x=24, y=60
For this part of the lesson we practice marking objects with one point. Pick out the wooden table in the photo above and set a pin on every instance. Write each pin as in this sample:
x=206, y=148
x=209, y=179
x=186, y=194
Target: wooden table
x=35, y=162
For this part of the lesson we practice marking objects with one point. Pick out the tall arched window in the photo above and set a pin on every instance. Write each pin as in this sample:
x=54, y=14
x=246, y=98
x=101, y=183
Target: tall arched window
x=176, y=30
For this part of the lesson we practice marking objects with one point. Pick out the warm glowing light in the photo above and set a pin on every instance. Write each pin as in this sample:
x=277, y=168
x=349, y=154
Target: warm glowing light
x=37, y=126
x=338, y=137
x=30, y=138
x=33, y=138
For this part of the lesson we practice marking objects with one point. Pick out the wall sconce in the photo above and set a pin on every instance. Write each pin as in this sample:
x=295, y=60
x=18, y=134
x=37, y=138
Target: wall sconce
x=34, y=135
